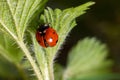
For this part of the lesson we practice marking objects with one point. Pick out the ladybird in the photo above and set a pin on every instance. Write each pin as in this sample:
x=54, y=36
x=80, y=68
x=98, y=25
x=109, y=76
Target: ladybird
x=46, y=36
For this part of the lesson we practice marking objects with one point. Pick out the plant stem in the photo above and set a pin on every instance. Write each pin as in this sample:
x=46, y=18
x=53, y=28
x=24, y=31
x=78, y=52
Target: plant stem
x=51, y=72
x=50, y=69
x=29, y=57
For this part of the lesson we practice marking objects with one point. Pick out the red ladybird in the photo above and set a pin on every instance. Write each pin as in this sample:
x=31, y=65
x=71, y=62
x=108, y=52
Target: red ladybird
x=46, y=36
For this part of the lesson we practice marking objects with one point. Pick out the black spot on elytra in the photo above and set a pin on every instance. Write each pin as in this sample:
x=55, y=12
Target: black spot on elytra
x=39, y=41
x=56, y=41
x=54, y=32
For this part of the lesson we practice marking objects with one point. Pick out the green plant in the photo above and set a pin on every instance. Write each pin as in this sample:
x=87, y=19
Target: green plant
x=20, y=50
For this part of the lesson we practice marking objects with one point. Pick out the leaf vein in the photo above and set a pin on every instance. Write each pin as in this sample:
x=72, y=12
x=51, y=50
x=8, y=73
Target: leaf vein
x=13, y=18
x=27, y=16
x=16, y=7
x=22, y=12
x=5, y=27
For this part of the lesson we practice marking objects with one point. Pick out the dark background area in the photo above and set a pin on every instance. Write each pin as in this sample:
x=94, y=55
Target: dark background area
x=102, y=21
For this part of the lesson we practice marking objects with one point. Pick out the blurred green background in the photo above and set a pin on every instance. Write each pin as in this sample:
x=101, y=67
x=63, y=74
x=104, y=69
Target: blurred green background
x=102, y=20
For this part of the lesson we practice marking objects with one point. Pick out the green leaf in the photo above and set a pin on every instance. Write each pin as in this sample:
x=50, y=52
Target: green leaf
x=10, y=50
x=15, y=17
x=11, y=71
x=62, y=21
x=16, y=14
x=6, y=19
x=86, y=59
